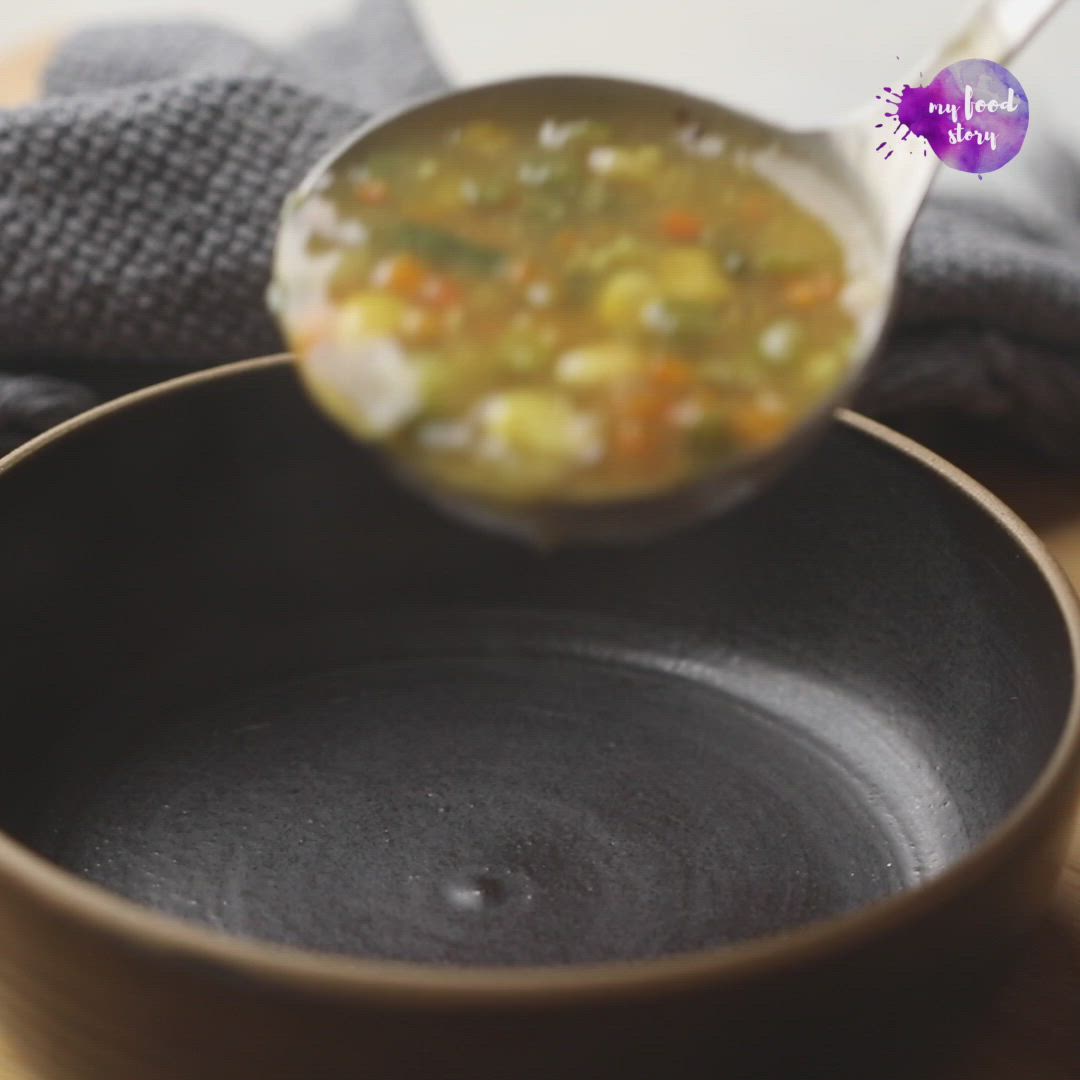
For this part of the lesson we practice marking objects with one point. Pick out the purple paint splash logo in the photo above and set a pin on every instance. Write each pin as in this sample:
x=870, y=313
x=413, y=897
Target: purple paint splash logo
x=974, y=115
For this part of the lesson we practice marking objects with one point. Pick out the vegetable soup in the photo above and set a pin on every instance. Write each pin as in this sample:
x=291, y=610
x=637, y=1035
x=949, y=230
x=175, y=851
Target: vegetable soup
x=572, y=310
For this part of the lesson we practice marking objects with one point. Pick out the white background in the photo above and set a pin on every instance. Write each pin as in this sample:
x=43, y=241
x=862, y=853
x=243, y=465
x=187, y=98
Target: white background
x=803, y=60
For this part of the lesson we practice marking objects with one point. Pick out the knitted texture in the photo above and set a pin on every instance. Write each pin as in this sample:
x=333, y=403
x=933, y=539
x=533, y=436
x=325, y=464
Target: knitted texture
x=139, y=198
x=989, y=317
x=148, y=237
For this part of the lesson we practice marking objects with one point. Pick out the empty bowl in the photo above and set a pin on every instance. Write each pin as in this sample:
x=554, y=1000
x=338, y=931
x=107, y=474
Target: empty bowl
x=303, y=779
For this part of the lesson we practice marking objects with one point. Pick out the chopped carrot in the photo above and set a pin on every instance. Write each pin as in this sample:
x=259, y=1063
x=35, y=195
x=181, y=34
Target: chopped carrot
x=756, y=207
x=633, y=441
x=403, y=274
x=681, y=225
x=441, y=291
x=421, y=326
x=805, y=292
x=567, y=240
x=646, y=438
x=519, y=271
x=759, y=423
x=309, y=331
x=640, y=428
x=671, y=373
x=644, y=405
x=373, y=191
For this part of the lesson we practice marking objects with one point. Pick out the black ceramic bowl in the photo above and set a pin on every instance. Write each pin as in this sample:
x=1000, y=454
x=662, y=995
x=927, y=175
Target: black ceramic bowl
x=304, y=780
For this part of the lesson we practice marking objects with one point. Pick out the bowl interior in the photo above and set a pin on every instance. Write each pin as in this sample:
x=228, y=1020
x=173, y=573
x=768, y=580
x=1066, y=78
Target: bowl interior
x=252, y=683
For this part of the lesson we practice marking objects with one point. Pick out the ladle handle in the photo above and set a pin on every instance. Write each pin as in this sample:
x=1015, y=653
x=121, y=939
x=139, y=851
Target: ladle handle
x=996, y=31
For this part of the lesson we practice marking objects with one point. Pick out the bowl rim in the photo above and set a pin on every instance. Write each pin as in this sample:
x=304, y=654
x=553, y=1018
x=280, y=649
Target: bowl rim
x=65, y=896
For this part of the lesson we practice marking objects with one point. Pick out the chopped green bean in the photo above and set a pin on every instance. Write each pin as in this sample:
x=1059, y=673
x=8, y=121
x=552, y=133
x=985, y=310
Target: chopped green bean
x=445, y=248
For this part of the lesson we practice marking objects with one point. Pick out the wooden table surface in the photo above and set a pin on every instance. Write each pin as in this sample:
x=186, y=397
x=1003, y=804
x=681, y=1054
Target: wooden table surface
x=1032, y=1032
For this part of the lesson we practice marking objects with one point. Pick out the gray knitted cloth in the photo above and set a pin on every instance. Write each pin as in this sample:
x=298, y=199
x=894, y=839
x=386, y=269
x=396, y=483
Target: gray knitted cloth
x=138, y=203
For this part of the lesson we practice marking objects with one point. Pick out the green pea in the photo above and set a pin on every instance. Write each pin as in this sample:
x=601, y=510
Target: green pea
x=711, y=435
x=351, y=273
x=523, y=351
x=541, y=208
x=683, y=322
x=598, y=198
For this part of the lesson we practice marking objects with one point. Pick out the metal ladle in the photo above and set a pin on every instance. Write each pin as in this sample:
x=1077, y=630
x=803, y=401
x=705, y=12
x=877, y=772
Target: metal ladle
x=834, y=172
